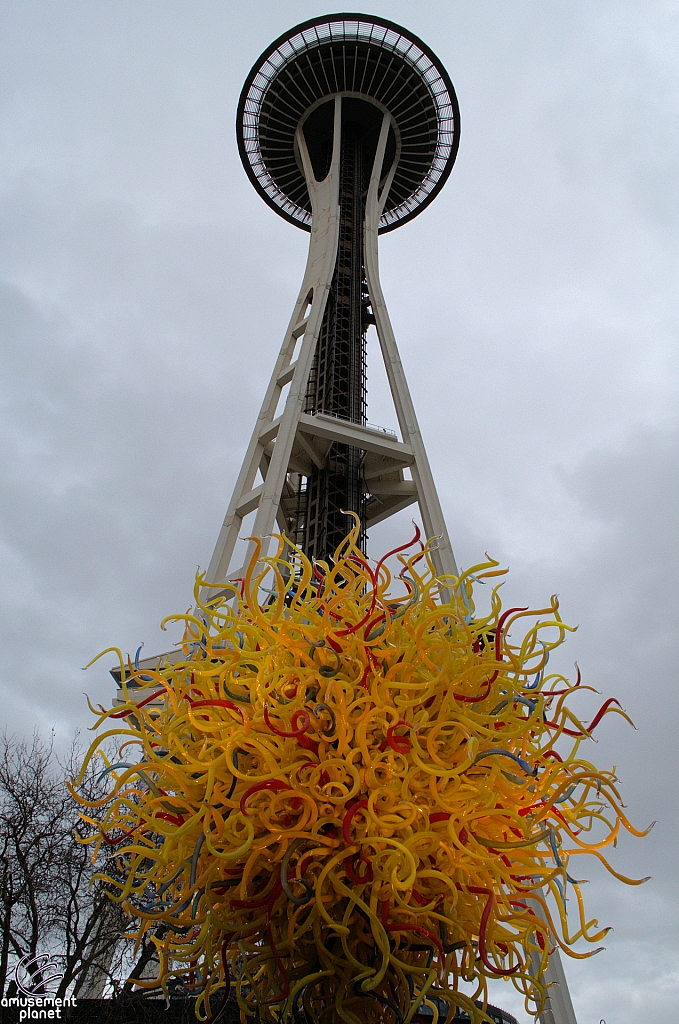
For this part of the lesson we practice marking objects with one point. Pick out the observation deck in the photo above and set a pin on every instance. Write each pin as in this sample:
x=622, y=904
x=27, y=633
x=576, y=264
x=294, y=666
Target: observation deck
x=377, y=67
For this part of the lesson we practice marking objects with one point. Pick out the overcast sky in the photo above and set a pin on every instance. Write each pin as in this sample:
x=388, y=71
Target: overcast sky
x=145, y=288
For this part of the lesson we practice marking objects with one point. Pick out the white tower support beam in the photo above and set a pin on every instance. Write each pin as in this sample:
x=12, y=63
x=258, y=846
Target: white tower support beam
x=558, y=1006
x=427, y=498
x=271, y=442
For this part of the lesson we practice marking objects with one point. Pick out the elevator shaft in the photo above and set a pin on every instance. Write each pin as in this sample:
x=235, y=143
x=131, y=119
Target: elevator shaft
x=337, y=383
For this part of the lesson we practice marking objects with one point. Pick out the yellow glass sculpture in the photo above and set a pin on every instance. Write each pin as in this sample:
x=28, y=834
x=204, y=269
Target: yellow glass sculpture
x=348, y=803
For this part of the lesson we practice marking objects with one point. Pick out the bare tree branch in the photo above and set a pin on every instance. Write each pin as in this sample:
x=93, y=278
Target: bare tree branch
x=48, y=897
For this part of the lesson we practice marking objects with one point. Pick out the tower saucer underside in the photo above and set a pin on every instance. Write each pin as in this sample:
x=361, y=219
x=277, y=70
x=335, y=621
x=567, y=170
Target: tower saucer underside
x=361, y=57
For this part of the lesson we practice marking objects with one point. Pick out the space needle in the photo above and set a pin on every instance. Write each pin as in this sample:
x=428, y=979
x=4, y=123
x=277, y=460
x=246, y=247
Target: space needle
x=348, y=127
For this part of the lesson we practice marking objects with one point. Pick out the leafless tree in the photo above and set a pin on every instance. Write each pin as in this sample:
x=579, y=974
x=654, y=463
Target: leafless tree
x=48, y=899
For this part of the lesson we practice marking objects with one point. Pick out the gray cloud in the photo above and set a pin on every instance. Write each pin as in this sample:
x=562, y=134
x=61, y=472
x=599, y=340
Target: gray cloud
x=145, y=289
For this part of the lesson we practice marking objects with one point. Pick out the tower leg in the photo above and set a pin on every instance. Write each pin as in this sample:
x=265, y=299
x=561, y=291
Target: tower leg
x=427, y=497
x=314, y=291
